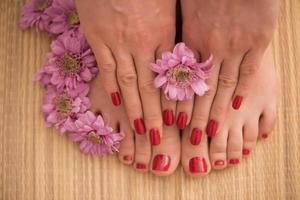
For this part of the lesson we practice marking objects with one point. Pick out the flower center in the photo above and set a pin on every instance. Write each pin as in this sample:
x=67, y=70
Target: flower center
x=73, y=18
x=63, y=104
x=95, y=138
x=180, y=74
x=69, y=65
x=41, y=5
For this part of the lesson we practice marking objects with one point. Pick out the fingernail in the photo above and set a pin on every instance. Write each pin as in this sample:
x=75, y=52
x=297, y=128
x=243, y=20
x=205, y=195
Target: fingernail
x=246, y=152
x=140, y=166
x=196, y=136
x=154, y=136
x=264, y=135
x=236, y=104
x=234, y=161
x=219, y=162
x=115, y=97
x=139, y=126
x=198, y=165
x=181, y=121
x=212, y=128
x=127, y=158
x=168, y=117
x=161, y=162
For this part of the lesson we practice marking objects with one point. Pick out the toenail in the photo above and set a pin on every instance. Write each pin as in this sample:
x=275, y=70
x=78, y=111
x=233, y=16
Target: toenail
x=246, y=152
x=140, y=166
x=154, y=136
x=264, y=135
x=196, y=136
x=181, y=121
x=198, y=165
x=219, y=162
x=116, y=99
x=234, y=161
x=127, y=158
x=212, y=128
x=236, y=104
x=139, y=126
x=168, y=117
x=161, y=162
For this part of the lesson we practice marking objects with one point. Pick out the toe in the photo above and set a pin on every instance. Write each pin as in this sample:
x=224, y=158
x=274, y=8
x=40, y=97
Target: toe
x=142, y=153
x=218, y=146
x=250, y=134
x=235, y=145
x=266, y=123
x=126, y=151
x=166, y=155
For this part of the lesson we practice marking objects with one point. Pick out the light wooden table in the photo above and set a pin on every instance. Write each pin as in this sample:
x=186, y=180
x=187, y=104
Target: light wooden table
x=36, y=163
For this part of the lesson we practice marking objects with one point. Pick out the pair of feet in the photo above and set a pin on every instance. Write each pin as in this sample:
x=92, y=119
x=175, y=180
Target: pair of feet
x=236, y=139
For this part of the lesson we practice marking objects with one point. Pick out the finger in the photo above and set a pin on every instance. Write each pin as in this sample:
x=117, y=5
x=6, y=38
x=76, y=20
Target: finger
x=184, y=112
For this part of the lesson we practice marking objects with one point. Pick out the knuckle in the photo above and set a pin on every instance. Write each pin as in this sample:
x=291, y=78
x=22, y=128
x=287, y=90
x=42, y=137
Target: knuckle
x=219, y=147
x=148, y=87
x=127, y=78
x=249, y=69
x=199, y=118
x=153, y=118
x=218, y=110
x=227, y=81
x=107, y=67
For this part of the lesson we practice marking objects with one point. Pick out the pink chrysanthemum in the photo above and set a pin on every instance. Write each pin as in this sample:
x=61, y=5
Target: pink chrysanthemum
x=94, y=136
x=63, y=16
x=71, y=61
x=33, y=13
x=58, y=107
x=180, y=75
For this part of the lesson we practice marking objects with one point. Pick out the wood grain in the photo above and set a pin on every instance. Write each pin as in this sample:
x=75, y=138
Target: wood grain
x=36, y=163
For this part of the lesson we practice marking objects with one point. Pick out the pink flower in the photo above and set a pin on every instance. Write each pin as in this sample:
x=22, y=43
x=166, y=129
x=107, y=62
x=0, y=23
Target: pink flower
x=94, y=136
x=180, y=75
x=63, y=16
x=58, y=107
x=33, y=13
x=71, y=61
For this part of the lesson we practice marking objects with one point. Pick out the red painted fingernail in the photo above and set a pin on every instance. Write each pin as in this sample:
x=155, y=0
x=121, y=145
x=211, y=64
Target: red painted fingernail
x=139, y=126
x=196, y=136
x=168, y=117
x=246, y=152
x=212, y=128
x=127, y=157
x=198, y=165
x=154, y=136
x=116, y=99
x=161, y=162
x=236, y=104
x=140, y=166
x=181, y=121
x=219, y=162
x=234, y=161
x=264, y=135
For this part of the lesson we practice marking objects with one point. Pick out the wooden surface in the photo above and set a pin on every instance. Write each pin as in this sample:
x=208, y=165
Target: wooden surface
x=36, y=163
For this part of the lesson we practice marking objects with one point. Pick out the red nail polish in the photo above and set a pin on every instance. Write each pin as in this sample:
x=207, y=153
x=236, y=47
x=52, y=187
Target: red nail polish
x=181, y=121
x=140, y=166
x=234, y=161
x=212, y=128
x=264, y=135
x=246, y=152
x=168, y=117
x=127, y=158
x=236, y=104
x=161, y=162
x=116, y=99
x=139, y=126
x=219, y=162
x=196, y=135
x=154, y=136
x=198, y=165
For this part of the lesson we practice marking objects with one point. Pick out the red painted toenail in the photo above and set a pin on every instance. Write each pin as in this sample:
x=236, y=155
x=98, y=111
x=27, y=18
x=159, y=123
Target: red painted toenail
x=116, y=99
x=154, y=136
x=212, y=128
x=236, y=104
x=161, y=162
x=219, y=162
x=139, y=126
x=264, y=135
x=127, y=158
x=181, y=121
x=196, y=136
x=168, y=117
x=246, y=152
x=140, y=166
x=198, y=165
x=234, y=161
